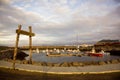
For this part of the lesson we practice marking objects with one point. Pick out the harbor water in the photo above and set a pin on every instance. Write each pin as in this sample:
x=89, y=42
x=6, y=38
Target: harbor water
x=43, y=58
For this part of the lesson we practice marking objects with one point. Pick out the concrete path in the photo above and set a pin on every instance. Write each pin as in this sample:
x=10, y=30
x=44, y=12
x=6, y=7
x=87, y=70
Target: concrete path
x=93, y=69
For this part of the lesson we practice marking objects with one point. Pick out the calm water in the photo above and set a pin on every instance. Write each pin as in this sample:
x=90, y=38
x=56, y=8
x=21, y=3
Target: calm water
x=43, y=58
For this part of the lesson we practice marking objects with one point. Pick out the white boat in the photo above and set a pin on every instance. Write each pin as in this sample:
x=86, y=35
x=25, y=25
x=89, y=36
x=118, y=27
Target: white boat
x=37, y=50
x=104, y=53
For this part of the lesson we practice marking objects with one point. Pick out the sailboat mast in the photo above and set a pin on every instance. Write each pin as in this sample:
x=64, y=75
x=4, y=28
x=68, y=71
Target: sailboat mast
x=77, y=41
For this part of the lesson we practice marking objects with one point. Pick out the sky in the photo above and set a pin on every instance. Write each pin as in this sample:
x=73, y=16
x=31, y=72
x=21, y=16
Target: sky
x=56, y=22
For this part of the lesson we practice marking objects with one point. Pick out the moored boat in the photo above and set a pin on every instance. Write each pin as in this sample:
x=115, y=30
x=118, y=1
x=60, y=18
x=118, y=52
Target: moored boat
x=37, y=50
x=105, y=53
x=94, y=53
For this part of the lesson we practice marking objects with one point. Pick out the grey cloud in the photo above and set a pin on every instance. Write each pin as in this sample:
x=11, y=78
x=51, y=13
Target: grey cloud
x=12, y=16
x=65, y=25
x=4, y=2
x=116, y=12
x=117, y=1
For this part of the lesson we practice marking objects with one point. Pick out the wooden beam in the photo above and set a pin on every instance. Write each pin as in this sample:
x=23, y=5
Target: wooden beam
x=25, y=33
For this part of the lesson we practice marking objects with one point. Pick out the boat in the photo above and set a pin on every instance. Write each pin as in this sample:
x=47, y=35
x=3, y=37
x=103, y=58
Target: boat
x=94, y=53
x=37, y=50
x=105, y=53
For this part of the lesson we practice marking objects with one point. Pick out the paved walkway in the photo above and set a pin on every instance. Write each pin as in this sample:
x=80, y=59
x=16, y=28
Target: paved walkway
x=93, y=69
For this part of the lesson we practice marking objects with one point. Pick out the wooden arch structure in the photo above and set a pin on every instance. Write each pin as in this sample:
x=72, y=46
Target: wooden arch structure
x=30, y=34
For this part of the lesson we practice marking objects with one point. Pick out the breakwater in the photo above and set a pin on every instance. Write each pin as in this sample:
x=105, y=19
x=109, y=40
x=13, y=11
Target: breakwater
x=66, y=64
x=105, y=48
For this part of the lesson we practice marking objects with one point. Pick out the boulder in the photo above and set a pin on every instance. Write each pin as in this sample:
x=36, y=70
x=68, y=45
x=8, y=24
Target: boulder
x=77, y=64
x=64, y=64
x=119, y=59
x=115, y=52
x=70, y=64
x=87, y=63
x=38, y=63
x=57, y=64
x=107, y=62
x=101, y=63
x=81, y=64
x=43, y=63
x=49, y=64
x=10, y=60
x=10, y=52
x=114, y=61
x=25, y=62
x=21, y=55
x=18, y=61
x=34, y=62
x=94, y=63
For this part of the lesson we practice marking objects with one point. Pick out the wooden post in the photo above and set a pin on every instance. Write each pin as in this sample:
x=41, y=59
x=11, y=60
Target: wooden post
x=16, y=46
x=30, y=45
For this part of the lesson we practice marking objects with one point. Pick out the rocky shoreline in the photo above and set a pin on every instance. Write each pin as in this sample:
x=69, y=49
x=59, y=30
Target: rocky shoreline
x=66, y=64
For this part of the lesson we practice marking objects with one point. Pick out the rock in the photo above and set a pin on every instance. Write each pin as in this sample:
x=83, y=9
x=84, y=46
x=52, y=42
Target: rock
x=75, y=63
x=10, y=52
x=115, y=52
x=38, y=63
x=43, y=63
x=107, y=62
x=25, y=61
x=10, y=60
x=70, y=64
x=18, y=61
x=21, y=55
x=6, y=59
x=101, y=63
x=56, y=64
x=81, y=64
x=119, y=59
x=6, y=54
x=94, y=63
x=91, y=63
x=64, y=64
x=114, y=61
x=34, y=62
x=87, y=63
x=50, y=64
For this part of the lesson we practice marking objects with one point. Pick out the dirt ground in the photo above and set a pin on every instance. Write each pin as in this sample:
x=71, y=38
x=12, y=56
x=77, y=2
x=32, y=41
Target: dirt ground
x=9, y=74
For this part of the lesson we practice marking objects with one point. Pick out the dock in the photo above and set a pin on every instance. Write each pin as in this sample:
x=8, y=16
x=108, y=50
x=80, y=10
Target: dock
x=59, y=55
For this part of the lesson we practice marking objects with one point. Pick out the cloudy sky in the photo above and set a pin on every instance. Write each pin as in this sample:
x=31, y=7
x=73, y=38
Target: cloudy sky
x=60, y=21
